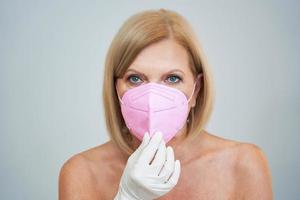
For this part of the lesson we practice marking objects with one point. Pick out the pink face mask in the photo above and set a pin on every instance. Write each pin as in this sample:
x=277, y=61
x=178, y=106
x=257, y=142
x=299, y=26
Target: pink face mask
x=154, y=107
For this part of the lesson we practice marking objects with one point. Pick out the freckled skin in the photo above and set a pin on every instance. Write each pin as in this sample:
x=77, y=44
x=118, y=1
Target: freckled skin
x=212, y=168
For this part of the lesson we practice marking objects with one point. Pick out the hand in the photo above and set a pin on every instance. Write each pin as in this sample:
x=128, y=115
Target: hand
x=146, y=180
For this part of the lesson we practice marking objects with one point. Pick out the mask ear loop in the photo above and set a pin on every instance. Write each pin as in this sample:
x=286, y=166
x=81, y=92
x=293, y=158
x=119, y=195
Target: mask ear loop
x=192, y=93
x=188, y=120
x=198, y=77
x=119, y=98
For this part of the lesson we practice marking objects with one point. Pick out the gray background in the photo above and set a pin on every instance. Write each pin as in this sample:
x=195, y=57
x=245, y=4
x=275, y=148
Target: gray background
x=52, y=56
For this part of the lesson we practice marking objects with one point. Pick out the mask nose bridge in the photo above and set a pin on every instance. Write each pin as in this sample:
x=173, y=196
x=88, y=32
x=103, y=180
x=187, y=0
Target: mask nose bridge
x=188, y=100
x=157, y=90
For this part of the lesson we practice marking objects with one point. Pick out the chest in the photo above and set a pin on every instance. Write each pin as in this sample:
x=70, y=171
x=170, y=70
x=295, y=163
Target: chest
x=207, y=181
x=208, y=178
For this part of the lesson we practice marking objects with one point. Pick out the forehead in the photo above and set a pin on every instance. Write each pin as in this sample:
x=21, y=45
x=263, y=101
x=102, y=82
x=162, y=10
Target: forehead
x=162, y=56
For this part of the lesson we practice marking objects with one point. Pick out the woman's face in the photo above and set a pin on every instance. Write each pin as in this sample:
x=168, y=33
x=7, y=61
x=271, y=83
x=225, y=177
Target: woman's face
x=165, y=62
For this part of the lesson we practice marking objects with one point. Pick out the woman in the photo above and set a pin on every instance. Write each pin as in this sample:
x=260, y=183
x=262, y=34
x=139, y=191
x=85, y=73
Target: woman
x=158, y=96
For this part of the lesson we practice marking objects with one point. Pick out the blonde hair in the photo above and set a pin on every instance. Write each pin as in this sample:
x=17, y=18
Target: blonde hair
x=137, y=32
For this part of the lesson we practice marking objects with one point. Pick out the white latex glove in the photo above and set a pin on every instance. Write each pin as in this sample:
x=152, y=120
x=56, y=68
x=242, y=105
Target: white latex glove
x=144, y=181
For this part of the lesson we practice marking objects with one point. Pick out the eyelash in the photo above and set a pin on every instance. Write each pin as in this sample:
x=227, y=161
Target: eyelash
x=171, y=75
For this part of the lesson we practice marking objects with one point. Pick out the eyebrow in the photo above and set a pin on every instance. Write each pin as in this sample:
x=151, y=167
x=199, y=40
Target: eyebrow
x=168, y=72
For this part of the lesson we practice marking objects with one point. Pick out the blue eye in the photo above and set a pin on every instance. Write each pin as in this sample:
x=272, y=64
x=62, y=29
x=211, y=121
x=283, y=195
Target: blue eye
x=134, y=79
x=173, y=79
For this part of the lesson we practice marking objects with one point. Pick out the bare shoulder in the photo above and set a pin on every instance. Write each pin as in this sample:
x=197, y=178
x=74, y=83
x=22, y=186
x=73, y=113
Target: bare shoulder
x=75, y=179
x=250, y=166
x=243, y=152
x=253, y=173
x=214, y=145
x=251, y=160
x=250, y=156
x=247, y=156
x=80, y=175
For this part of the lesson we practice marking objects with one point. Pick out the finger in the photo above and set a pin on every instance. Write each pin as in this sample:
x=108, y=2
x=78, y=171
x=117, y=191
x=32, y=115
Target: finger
x=148, y=152
x=145, y=141
x=160, y=157
x=175, y=176
x=168, y=167
x=167, y=186
x=143, y=144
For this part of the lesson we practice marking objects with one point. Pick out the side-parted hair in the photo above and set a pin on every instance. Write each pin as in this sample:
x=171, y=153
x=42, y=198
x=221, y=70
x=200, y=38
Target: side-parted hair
x=137, y=32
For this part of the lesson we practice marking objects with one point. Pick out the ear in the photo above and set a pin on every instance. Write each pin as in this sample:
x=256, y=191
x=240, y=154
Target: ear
x=197, y=87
